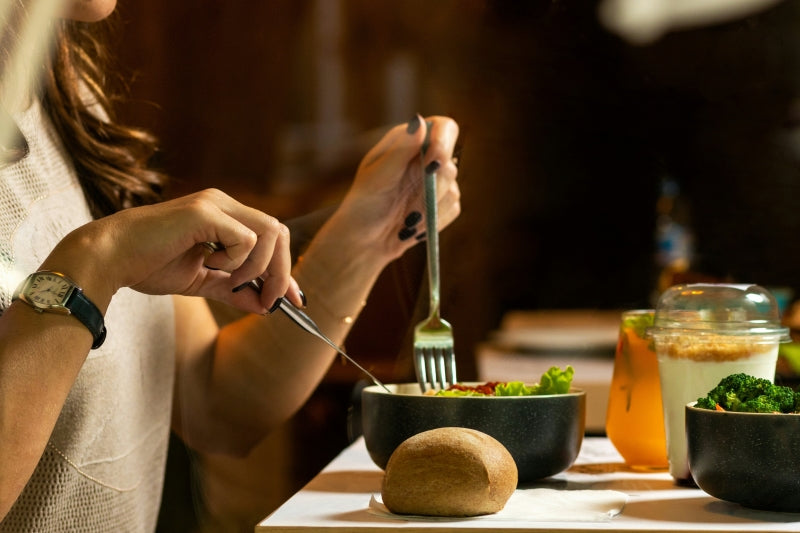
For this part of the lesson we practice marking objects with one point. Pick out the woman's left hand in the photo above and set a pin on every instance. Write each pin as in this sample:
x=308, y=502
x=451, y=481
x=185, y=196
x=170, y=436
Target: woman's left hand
x=386, y=203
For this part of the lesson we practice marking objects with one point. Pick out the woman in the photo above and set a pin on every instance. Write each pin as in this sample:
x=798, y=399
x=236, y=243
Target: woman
x=86, y=404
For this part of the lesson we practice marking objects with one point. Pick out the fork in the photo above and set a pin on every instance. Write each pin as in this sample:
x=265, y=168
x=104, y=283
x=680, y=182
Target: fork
x=434, y=359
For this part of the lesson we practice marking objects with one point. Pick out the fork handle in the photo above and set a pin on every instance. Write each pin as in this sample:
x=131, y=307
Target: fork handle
x=432, y=241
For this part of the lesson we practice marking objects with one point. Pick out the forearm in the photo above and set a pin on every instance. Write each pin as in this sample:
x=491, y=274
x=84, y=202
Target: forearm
x=35, y=379
x=265, y=368
x=257, y=371
x=40, y=357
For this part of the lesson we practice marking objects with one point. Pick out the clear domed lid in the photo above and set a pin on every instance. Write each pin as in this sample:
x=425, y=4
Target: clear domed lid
x=719, y=308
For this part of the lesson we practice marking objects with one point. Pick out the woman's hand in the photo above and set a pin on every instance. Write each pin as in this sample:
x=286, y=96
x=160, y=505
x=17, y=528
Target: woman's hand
x=385, y=204
x=158, y=249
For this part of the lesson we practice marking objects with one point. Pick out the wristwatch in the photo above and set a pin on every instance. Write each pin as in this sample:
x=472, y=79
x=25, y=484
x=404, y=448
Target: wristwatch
x=53, y=292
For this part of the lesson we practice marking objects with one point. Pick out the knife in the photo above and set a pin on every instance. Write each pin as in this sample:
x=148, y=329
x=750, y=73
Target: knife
x=303, y=320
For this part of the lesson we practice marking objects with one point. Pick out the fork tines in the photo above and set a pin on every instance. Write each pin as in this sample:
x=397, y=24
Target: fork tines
x=435, y=364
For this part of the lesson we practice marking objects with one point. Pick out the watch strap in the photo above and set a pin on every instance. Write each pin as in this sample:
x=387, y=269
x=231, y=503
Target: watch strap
x=84, y=310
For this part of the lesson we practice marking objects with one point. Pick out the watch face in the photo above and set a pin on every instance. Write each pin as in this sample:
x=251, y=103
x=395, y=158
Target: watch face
x=47, y=290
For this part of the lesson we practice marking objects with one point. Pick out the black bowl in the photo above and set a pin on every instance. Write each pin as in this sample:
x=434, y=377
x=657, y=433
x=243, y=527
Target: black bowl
x=748, y=458
x=543, y=433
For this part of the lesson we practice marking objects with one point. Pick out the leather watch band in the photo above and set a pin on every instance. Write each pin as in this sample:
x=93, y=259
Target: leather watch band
x=84, y=310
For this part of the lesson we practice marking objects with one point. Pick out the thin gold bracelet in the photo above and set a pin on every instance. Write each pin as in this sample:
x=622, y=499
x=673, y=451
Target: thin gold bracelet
x=347, y=319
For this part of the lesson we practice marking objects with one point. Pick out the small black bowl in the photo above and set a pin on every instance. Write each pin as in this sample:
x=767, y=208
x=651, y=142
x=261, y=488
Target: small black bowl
x=748, y=458
x=543, y=433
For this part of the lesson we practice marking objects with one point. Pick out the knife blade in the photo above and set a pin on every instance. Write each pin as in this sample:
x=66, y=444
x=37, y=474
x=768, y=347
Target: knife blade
x=300, y=318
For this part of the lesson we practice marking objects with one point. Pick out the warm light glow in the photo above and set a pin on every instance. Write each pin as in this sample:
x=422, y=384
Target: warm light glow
x=645, y=21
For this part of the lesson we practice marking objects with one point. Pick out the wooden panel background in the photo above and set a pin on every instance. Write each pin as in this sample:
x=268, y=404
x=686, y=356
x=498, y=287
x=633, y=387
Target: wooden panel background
x=566, y=132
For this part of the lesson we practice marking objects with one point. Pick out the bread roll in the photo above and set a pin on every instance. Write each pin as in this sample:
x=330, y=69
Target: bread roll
x=449, y=471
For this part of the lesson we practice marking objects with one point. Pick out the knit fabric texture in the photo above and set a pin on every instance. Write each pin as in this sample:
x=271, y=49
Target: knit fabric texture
x=103, y=467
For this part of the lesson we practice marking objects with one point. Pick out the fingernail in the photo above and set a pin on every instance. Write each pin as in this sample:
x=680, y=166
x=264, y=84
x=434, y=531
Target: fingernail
x=413, y=124
x=412, y=219
x=432, y=167
x=427, y=142
x=210, y=268
x=406, y=233
x=275, y=306
x=240, y=287
x=303, y=298
x=421, y=236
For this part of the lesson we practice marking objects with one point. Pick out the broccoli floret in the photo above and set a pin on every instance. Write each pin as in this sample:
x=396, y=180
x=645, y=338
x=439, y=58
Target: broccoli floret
x=759, y=404
x=742, y=392
x=784, y=397
x=706, y=403
x=737, y=389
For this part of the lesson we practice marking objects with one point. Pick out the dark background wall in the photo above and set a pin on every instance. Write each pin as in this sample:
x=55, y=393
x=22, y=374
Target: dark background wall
x=567, y=134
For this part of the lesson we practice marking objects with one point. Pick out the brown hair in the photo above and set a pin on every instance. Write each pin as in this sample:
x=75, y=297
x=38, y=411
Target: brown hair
x=112, y=161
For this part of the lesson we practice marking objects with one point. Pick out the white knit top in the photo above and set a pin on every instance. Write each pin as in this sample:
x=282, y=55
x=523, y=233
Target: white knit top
x=103, y=467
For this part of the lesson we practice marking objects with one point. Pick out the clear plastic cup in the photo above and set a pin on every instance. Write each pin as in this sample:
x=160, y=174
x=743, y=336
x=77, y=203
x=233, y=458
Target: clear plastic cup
x=702, y=333
x=635, y=418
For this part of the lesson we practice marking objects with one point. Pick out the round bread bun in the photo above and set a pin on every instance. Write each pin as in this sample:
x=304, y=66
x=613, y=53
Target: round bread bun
x=450, y=471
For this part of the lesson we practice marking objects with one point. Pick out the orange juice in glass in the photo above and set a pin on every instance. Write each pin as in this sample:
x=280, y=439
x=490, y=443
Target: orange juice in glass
x=635, y=419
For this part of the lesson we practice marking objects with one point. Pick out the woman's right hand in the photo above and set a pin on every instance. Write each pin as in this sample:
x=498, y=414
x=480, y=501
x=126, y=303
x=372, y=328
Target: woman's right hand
x=158, y=249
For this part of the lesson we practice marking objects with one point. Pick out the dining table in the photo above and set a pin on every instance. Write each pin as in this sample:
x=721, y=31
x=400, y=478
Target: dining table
x=598, y=492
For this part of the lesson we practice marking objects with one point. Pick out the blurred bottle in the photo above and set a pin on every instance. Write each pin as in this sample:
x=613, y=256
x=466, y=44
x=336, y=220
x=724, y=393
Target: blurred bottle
x=673, y=237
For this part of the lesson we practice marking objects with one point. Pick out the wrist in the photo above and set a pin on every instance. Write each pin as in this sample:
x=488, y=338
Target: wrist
x=48, y=291
x=337, y=272
x=77, y=257
x=373, y=239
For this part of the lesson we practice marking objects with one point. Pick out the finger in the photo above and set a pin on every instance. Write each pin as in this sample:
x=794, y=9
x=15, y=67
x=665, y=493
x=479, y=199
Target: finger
x=449, y=206
x=277, y=274
x=269, y=231
x=232, y=226
x=441, y=140
x=387, y=141
x=446, y=185
x=214, y=256
x=234, y=242
x=446, y=178
x=249, y=244
x=399, y=145
x=295, y=294
x=246, y=238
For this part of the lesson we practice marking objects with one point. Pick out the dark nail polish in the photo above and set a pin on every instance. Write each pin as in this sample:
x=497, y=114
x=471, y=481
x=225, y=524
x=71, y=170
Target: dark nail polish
x=432, y=167
x=412, y=219
x=421, y=236
x=427, y=142
x=303, y=298
x=413, y=124
x=275, y=306
x=406, y=233
x=240, y=287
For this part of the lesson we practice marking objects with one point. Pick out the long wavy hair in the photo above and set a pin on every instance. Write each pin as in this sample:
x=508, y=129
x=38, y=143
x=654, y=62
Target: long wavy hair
x=113, y=162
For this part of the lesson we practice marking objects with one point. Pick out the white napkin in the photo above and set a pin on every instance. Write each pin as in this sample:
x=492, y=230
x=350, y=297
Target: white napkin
x=537, y=505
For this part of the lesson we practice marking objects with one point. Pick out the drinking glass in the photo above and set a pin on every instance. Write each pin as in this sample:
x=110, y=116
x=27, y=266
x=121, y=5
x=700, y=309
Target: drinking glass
x=635, y=418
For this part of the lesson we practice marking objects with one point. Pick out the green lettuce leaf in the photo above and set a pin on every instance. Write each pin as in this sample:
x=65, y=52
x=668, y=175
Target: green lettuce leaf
x=514, y=388
x=554, y=381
